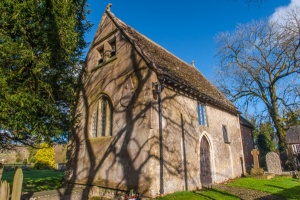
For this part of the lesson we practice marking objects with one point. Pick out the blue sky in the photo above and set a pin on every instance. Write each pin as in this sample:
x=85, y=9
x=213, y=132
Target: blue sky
x=185, y=28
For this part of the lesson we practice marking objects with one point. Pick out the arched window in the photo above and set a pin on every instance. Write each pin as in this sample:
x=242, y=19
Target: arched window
x=102, y=118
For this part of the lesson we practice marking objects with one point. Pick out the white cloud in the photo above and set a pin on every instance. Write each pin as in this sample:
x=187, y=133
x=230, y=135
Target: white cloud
x=281, y=12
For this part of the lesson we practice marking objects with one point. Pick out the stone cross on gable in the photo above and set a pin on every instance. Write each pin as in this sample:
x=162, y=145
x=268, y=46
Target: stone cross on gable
x=255, y=154
x=108, y=7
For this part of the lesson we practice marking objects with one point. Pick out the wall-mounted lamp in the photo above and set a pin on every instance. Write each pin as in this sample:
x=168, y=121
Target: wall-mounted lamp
x=157, y=89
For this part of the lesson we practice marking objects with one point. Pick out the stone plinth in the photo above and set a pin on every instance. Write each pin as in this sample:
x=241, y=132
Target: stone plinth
x=257, y=171
x=269, y=176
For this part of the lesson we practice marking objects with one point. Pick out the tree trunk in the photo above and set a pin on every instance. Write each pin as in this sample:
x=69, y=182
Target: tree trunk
x=280, y=132
x=278, y=124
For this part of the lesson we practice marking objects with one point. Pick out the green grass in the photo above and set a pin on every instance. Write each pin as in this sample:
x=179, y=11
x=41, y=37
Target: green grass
x=216, y=194
x=283, y=186
x=37, y=180
x=200, y=195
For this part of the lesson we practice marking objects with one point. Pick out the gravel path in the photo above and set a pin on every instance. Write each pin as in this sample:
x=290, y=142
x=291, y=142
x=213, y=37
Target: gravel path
x=246, y=194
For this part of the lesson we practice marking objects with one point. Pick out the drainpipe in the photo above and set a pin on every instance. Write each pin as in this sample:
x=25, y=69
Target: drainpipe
x=158, y=87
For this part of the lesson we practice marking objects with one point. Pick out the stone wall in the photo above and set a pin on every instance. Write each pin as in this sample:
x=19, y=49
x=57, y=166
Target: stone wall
x=248, y=146
x=11, y=156
x=120, y=161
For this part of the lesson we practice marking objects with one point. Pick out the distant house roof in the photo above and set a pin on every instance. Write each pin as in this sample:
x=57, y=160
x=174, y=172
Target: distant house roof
x=245, y=122
x=293, y=135
x=173, y=70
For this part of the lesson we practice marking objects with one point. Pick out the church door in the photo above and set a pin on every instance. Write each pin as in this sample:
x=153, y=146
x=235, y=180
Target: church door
x=205, y=169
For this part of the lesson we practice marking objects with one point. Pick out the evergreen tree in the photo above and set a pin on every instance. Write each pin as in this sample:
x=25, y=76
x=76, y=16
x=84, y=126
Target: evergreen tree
x=41, y=44
x=264, y=140
x=32, y=152
x=292, y=118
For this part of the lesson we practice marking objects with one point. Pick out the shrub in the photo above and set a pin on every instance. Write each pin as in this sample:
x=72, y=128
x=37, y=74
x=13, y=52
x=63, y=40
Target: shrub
x=44, y=157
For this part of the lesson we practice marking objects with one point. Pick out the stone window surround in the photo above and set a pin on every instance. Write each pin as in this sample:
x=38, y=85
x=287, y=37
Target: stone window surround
x=225, y=134
x=101, y=54
x=101, y=125
x=107, y=50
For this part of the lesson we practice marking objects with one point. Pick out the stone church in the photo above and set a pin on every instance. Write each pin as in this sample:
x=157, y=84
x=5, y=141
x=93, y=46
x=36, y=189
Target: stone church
x=149, y=121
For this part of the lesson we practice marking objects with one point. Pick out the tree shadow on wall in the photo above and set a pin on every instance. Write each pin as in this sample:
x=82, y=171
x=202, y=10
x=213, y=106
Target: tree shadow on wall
x=119, y=147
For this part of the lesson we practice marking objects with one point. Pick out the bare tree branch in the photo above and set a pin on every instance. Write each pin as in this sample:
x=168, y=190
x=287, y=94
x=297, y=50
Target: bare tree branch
x=259, y=64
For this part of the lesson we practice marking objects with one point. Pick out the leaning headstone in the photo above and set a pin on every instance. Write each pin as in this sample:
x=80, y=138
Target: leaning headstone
x=256, y=170
x=1, y=170
x=4, y=190
x=17, y=185
x=273, y=163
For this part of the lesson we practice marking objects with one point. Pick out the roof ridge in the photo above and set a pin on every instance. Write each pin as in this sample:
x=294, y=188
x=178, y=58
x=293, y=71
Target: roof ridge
x=161, y=59
x=147, y=38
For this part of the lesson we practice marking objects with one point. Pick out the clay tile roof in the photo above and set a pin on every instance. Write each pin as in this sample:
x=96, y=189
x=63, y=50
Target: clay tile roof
x=165, y=63
x=245, y=122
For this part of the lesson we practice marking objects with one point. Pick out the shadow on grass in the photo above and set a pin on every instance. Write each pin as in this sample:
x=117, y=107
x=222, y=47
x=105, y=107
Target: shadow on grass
x=198, y=195
x=286, y=193
x=216, y=194
x=49, y=183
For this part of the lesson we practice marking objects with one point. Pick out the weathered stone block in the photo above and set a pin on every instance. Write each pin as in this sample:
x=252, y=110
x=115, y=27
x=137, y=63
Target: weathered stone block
x=269, y=176
x=257, y=171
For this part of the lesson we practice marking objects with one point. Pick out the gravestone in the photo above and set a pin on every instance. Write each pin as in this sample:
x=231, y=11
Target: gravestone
x=256, y=170
x=255, y=154
x=1, y=170
x=273, y=163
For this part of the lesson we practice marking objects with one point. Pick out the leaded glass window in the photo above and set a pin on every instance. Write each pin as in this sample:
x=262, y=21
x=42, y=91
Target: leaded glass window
x=94, y=123
x=102, y=118
x=201, y=114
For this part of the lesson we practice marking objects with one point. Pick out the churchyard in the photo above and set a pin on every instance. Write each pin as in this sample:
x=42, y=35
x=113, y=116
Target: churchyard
x=282, y=187
x=144, y=122
x=269, y=182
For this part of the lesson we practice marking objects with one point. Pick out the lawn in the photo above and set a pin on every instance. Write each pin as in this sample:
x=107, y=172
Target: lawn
x=200, y=195
x=37, y=180
x=282, y=186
